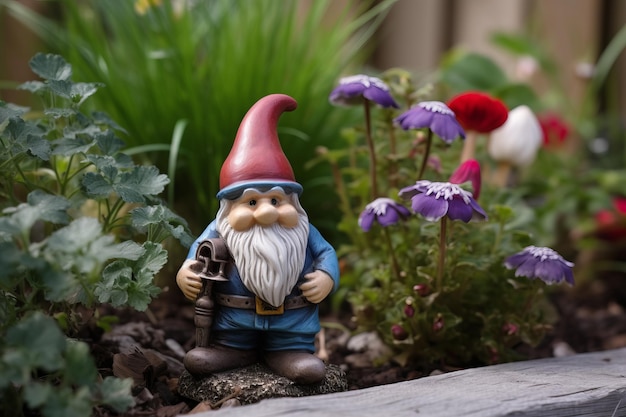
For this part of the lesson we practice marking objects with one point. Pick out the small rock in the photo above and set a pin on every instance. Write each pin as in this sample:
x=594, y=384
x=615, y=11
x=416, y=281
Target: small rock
x=175, y=347
x=233, y=402
x=560, y=349
x=363, y=341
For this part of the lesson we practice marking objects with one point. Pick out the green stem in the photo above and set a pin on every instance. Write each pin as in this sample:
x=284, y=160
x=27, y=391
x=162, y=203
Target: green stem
x=429, y=140
x=442, y=253
x=498, y=238
x=372, y=150
x=394, y=260
x=392, y=150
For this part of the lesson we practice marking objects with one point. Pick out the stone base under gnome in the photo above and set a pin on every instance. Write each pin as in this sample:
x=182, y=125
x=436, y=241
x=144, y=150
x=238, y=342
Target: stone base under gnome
x=255, y=383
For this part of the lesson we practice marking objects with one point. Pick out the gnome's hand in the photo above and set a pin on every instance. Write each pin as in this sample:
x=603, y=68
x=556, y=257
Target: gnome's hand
x=188, y=279
x=319, y=284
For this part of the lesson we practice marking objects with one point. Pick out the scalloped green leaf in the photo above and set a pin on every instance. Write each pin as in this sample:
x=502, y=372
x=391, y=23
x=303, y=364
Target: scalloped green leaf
x=142, y=181
x=116, y=393
x=36, y=342
x=8, y=110
x=80, y=92
x=51, y=67
x=69, y=146
x=101, y=184
x=109, y=143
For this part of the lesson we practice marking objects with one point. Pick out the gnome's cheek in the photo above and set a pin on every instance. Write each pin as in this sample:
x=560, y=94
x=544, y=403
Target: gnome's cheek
x=241, y=218
x=288, y=216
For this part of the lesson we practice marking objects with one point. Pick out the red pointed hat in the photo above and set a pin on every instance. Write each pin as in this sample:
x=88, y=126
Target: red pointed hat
x=256, y=158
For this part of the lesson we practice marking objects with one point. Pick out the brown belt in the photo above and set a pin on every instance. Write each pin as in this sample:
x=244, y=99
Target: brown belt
x=261, y=307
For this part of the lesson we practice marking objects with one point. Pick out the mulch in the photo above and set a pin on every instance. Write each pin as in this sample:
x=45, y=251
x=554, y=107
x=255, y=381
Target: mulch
x=148, y=346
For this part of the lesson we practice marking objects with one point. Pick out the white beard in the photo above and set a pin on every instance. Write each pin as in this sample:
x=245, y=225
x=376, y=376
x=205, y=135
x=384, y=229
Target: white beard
x=269, y=259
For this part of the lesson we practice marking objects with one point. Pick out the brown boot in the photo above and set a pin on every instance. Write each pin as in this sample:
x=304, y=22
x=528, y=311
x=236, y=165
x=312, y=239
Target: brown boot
x=300, y=367
x=205, y=361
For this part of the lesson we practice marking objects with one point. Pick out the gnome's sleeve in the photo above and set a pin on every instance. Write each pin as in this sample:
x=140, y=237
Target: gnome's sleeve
x=208, y=233
x=324, y=255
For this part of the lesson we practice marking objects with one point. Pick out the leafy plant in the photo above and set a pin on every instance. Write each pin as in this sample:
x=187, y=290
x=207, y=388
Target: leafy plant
x=81, y=224
x=205, y=63
x=436, y=292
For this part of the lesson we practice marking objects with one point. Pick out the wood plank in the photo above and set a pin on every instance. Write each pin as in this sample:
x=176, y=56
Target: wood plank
x=591, y=384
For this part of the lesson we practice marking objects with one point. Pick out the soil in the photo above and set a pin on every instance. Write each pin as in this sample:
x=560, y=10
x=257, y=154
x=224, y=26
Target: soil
x=149, y=346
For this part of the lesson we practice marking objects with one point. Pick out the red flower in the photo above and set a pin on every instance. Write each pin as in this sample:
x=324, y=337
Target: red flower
x=611, y=224
x=555, y=129
x=478, y=111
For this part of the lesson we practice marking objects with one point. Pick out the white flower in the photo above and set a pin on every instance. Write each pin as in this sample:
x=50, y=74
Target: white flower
x=518, y=139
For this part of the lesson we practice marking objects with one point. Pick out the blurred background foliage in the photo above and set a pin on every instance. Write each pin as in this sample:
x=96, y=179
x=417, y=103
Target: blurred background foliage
x=180, y=75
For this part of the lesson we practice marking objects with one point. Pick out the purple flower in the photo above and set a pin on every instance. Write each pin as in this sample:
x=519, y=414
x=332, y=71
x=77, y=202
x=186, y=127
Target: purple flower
x=385, y=211
x=434, y=115
x=433, y=200
x=543, y=263
x=352, y=89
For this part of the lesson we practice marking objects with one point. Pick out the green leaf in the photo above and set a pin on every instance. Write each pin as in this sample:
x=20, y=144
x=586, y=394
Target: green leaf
x=61, y=88
x=108, y=143
x=473, y=72
x=142, y=181
x=150, y=263
x=515, y=94
x=116, y=393
x=38, y=147
x=100, y=185
x=104, y=119
x=36, y=394
x=26, y=136
x=38, y=342
x=119, y=161
x=8, y=111
x=52, y=208
x=160, y=217
x=131, y=282
x=34, y=87
x=69, y=146
x=69, y=402
x=51, y=67
x=11, y=259
x=80, y=369
x=58, y=113
x=82, y=245
x=40, y=206
x=82, y=91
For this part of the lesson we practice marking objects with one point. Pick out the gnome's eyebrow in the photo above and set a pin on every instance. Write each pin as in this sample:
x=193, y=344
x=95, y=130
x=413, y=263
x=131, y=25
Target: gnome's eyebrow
x=253, y=190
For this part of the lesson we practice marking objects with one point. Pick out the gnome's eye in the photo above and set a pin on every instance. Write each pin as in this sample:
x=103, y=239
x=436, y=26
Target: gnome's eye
x=274, y=202
x=252, y=202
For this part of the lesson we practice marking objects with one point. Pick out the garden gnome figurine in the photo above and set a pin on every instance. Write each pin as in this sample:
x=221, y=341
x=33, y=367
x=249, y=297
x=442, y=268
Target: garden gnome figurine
x=280, y=266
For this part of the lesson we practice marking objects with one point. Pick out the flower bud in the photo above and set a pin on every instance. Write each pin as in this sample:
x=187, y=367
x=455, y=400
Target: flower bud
x=510, y=329
x=421, y=289
x=409, y=310
x=398, y=332
x=468, y=171
x=438, y=323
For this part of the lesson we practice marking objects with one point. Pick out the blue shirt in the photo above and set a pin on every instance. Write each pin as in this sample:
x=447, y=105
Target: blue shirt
x=294, y=329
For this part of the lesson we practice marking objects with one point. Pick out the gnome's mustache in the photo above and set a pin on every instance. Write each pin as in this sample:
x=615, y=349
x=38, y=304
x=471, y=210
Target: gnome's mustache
x=269, y=259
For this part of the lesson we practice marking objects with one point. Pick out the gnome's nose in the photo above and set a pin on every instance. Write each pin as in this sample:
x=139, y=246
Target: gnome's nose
x=266, y=214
